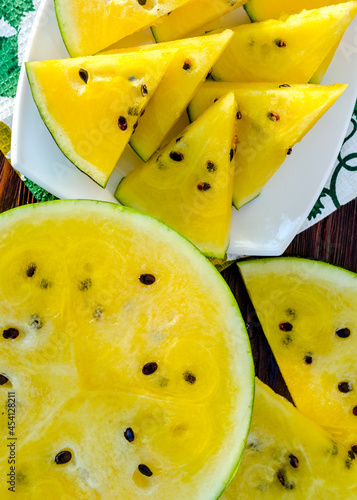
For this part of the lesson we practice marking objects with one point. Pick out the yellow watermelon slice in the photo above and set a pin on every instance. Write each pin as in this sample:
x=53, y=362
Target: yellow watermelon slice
x=88, y=26
x=92, y=105
x=261, y=10
x=307, y=311
x=285, y=50
x=191, y=16
x=271, y=119
x=290, y=457
x=186, y=72
x=189, y=183
x=119, y=378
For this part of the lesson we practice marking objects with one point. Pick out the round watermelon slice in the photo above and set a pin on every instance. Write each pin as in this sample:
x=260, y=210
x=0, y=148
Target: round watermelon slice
x=125, y=368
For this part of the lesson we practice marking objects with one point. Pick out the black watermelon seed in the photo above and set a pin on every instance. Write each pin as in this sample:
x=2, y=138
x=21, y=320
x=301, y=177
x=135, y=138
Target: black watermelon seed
x=211, y=167
x=215, y=100
x=281, y=477
x=142, y=112
x=144, y=90
x=45, y=284
x=3, y=379
x=284, y=85
x=135, y=125
x=294, y=462
x=129, y=434
x=344, y=387
x=343, y=333
x=147, y=279
x=239, y=115
x=63, y=457
x=83, y=74
x=176, y=156
x=150, y=368
x=231, y=154
x=142, y=2
x=203, y=186
x=286, y=327
x=187, y=65
x=274, y=117
x=351, y=455
x=289, y=151
x=31, y=270
x=354, y=411
x=35, y=322
x=209, y=73
x=308, y=359
x=189, y=377
x=178, y=140
x=122, y=123
x=85, y=285
x=10, y=333
x=354, y=449
x=144, y=469
x=280, y=43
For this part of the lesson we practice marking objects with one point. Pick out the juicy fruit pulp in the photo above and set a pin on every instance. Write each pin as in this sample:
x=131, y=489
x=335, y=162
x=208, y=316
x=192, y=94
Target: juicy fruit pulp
x=261, y=10
x=307, y=311
x=288, y=456
x=288, y=51
x=91, y=105
x=186, y=19
x=112, y=20
x=127, y=382
x=189, y=183
x=188, y=69
x=272, y=118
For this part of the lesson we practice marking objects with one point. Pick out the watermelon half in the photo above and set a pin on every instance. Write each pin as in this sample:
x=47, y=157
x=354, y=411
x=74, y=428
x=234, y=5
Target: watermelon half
x=126, y=371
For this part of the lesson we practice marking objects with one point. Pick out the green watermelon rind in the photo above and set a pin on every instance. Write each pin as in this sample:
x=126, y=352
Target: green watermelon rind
x=51, y=127
x=250, y=12
x=61, y=27
x=186, y=248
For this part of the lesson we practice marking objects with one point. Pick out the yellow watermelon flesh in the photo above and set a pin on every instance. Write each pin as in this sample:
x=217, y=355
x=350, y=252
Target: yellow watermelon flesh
x=271, y=119
x=307, y=311
x=189, y=183
x=288, y=50
x=91, y=105
x=186, y=72
x=126, y=381
x=261, y=10
x=190, y=17
x=88, y=26
x=288, y=456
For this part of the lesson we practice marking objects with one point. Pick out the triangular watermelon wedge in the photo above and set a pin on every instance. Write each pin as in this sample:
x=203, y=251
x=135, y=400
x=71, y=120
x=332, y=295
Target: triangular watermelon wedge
x=272, y=118
x=91, y=105
x=88, y=26
x=190, y=17
x=189, y=183
x=187, y=71
x=261, y=10
x=308, y=313
x=288, y=456
x=288, y=50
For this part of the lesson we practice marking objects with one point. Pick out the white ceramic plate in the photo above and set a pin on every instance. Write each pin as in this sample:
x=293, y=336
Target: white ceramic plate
x=267, y=225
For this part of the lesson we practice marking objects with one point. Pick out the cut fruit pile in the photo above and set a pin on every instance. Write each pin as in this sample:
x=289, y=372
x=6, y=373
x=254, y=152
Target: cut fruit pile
x=271, y=119
x=308, y=314
x=130, y=368
x=93, y=106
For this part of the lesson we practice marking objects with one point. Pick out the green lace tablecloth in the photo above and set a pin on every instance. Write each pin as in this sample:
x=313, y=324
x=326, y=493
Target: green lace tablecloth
x=16, y=20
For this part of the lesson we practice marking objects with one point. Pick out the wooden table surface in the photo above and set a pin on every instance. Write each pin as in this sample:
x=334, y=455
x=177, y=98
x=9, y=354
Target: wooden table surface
x=334, y=240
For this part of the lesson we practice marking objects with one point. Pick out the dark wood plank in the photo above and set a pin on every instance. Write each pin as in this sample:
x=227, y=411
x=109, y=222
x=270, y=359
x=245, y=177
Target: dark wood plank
x=332, y=240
